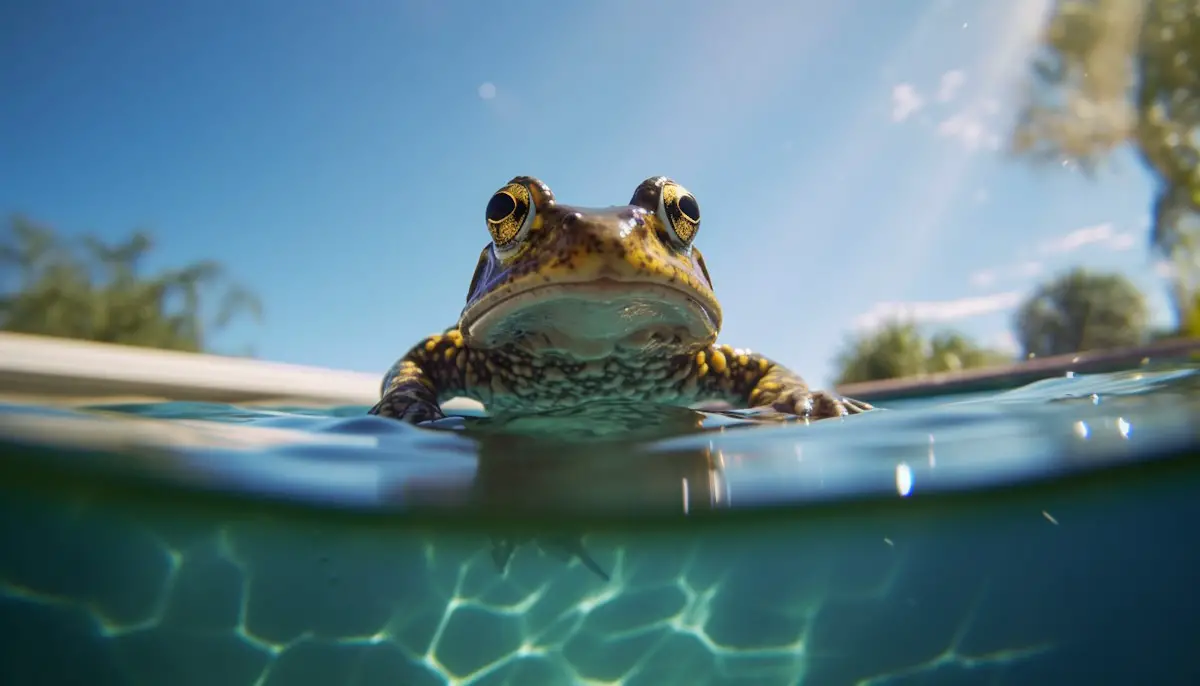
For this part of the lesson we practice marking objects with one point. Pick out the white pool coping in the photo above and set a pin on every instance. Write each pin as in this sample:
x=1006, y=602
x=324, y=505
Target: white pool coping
x=61, y=369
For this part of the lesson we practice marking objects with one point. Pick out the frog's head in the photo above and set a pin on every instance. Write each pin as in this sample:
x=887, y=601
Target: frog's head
x=590, y=283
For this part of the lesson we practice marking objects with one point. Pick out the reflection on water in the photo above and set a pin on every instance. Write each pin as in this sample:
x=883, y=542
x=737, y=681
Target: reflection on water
x=1034, y=536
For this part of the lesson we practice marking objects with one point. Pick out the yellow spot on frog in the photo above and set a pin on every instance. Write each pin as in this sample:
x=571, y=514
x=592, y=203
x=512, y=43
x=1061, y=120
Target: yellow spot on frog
x=743, y=360
x=702, y=371
x=455, y=337
x=718, y=361
x=763, y=364
x=700, y=358
x=432, y=342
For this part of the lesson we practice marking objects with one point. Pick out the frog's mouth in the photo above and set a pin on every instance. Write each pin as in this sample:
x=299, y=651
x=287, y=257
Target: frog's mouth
x=592, y=320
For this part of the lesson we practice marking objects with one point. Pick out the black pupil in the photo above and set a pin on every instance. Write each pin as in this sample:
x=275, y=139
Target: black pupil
x=500, y=206
x=689, y=208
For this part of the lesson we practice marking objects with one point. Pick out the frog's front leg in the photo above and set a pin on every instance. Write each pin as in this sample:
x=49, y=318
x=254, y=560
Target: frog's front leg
x=413, y=388
x=748, y=379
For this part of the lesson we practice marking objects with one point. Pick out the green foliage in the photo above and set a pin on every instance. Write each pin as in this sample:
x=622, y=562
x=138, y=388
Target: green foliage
x=1191, y=325
x=95, y=291
x=1116, y=72
x=899, y=349
x=1080, y=310
x=950, y=351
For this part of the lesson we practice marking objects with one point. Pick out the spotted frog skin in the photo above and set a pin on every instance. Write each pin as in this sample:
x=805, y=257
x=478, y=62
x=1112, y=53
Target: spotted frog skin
x=571, y=305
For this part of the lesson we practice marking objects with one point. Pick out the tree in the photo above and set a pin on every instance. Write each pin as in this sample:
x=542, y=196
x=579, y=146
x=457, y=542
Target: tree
x=899, y=349
x=950, y=351
x=95, y=291
x=1116, y=72
x=1080, y=311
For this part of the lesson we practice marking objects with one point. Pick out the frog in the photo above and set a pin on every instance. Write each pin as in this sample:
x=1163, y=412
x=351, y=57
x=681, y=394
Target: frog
x=570, y=305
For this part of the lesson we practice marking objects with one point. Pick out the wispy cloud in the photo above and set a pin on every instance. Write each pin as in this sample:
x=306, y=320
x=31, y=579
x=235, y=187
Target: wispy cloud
x=936, y=310
x=906, y=101
x=1001, y=62
x=1104, y=235
x=487, y=91
x=971, y=129
x=858, y=146
x=950, y=83
x=985, y=278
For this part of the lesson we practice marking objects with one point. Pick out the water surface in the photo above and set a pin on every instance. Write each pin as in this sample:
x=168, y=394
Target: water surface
x=1042, y=535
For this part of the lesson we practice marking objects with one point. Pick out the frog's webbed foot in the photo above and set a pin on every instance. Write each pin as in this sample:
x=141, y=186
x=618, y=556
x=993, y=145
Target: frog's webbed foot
x=410, y=402
x=814, y=405
x=564, y=548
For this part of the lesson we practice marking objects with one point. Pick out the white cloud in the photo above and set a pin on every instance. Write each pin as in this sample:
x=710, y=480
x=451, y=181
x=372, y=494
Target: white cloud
x=1105, y=235
x=905, y=101
x=1022, y=270
x=984, y=278
x=1030, y=268
x=487, y=91
x=970, y=130
x=936, y=310
x=1123, y=241
x=950, y=84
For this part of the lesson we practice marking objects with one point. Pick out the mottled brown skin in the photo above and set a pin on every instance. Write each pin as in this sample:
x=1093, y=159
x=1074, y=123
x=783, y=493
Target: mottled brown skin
x=571, y=305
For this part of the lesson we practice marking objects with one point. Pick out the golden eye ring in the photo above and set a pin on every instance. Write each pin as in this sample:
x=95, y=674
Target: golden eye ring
x=510, y=213
x=679, y=212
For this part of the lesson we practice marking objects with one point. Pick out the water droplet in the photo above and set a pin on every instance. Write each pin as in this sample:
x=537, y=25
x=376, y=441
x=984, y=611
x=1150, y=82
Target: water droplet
x=904, y=480
x=1123, y=427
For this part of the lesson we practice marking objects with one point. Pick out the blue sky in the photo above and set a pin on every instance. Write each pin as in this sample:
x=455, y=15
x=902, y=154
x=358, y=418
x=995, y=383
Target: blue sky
x=338, y=156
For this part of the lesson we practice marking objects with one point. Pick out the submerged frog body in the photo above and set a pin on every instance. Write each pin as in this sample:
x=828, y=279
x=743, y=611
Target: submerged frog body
x=571, y=305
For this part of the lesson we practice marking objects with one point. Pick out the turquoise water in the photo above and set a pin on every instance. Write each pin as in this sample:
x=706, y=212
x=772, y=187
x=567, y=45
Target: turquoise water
x=1046, y=535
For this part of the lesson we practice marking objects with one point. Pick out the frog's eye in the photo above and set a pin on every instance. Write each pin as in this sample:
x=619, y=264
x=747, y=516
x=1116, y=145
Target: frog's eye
x=509, y=215
x=679, y=212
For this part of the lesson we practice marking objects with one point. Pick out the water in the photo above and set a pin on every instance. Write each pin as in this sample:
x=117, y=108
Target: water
x=1046, y=535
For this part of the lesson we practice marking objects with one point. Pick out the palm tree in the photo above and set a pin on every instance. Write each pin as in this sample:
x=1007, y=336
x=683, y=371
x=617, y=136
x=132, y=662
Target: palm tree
x=1080, y=311
x=95, y=291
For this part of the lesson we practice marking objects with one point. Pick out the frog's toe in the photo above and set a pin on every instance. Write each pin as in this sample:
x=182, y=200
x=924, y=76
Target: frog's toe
x=816, y=405
x=856, y=406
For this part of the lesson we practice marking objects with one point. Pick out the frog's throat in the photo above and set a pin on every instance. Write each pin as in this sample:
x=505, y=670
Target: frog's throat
x=593, y=320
